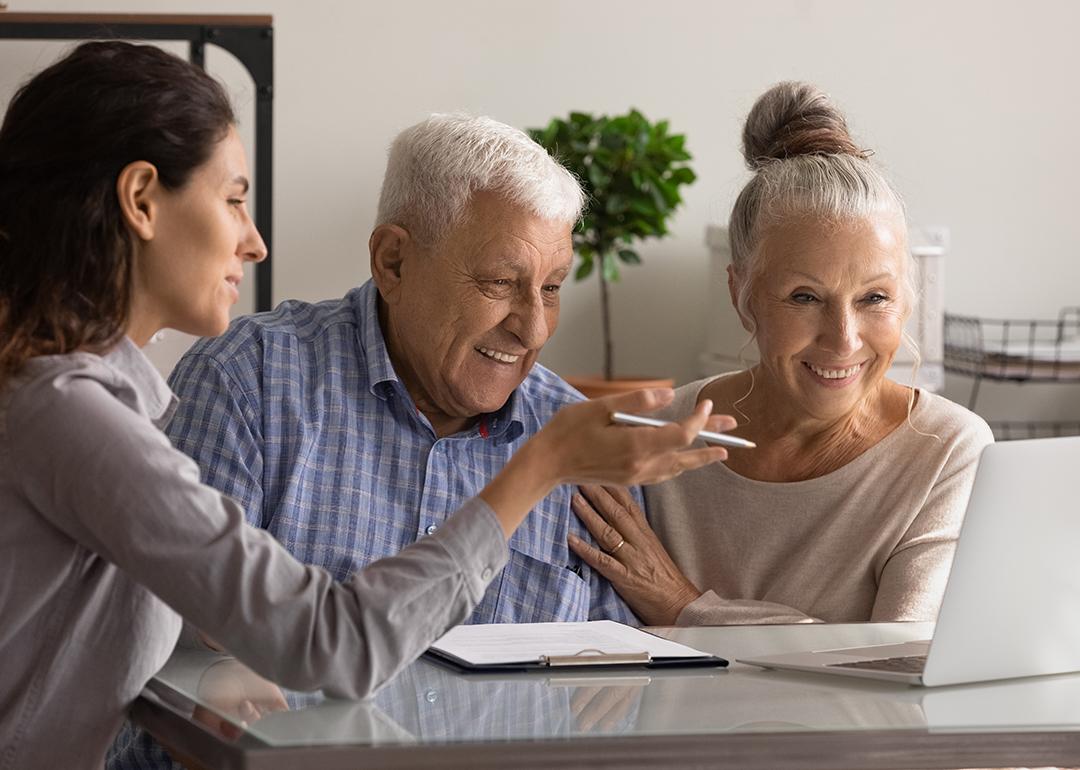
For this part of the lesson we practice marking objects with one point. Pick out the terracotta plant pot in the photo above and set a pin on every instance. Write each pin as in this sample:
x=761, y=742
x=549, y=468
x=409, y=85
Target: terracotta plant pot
x=597, y=387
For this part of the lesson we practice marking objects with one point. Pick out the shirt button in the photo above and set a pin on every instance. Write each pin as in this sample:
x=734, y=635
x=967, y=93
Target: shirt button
x=431, y=529
x=486, y=574
x=431, y=696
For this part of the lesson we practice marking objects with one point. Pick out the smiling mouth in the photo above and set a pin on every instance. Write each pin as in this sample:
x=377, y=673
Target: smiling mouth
x=498, y=355
x=833, y=374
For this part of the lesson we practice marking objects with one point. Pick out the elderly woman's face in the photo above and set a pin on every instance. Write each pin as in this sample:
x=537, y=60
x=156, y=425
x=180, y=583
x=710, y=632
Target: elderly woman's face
x=830, y=310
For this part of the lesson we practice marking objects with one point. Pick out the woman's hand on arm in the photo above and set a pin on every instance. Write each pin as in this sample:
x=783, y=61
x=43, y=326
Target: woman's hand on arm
x=582, y=445
x=633, y=558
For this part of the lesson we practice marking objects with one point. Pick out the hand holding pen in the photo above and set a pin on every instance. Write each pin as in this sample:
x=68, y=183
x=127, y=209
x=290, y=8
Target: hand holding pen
x=708, y=436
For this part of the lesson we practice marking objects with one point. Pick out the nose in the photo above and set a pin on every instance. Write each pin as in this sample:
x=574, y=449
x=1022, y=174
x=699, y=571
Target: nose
x=841, y=334
x=528, y=321
x=251, y=248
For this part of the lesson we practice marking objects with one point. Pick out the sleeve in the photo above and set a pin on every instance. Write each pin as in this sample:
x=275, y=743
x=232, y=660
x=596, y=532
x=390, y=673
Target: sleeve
x=912, y=581
x=218, y=423
x=709, y=609
x=604, y=601
x=106, y=477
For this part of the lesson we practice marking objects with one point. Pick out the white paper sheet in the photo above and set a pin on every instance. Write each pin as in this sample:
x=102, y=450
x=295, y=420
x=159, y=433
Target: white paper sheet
x=503, y=643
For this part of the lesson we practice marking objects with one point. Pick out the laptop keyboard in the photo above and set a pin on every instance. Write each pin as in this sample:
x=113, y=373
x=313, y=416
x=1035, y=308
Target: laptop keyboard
x=908, y=664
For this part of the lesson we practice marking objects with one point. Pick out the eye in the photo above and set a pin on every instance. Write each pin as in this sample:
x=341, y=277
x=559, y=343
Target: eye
x=803, y=298
x=496, y=288
x=876, y=298
x=237, y=202
x=552, y=288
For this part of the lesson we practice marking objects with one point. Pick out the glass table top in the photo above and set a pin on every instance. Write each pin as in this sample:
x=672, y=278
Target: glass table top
x=431, y=704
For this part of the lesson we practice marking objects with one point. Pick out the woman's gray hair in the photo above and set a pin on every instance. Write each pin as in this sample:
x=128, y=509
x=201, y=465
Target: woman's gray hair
x=437, y=165
x=806, y=165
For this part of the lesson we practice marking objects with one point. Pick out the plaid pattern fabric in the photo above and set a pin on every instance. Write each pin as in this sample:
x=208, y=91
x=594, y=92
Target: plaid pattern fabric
x=299, y=416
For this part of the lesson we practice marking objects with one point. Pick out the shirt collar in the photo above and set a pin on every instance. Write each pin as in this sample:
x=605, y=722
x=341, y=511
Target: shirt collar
x=158, y=401
x=382, y=379
x=502, y=426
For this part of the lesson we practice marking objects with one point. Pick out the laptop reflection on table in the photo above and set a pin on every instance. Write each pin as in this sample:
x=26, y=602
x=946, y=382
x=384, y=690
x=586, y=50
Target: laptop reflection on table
x=1012, y=604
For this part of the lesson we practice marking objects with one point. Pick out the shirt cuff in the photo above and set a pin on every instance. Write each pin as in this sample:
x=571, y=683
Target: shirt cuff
x=696, y=612
x=474, y=539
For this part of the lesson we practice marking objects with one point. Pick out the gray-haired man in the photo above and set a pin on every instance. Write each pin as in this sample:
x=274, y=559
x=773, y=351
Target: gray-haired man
x=352, y=427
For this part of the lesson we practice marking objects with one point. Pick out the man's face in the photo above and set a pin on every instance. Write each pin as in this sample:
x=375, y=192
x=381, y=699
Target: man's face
x=469, y=316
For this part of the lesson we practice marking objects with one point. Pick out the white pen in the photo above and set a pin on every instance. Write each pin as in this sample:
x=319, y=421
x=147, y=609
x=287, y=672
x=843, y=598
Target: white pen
x=707, y=436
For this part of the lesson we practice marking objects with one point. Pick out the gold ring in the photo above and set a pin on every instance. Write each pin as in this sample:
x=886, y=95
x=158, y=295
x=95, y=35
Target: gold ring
x=620, y=544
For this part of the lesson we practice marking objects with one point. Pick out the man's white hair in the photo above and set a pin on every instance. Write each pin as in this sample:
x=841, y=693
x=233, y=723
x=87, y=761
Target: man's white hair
x=437, y=165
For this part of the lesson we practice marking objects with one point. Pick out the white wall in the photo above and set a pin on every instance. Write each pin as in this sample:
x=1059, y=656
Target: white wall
x=972, y=104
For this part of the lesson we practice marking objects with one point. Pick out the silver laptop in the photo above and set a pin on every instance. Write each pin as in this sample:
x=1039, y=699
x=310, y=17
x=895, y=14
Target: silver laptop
x=1012, y=603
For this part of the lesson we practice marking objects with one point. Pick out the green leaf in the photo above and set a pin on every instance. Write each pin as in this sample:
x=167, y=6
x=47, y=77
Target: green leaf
x=682, y=175
x=611, y=268
x=598, y=176
x=584, y=270
x=631, y=170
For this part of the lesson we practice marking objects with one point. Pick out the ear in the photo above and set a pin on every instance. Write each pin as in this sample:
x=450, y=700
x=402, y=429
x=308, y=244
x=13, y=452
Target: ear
x=734, y=284
x=136, y=190
x=390, y=247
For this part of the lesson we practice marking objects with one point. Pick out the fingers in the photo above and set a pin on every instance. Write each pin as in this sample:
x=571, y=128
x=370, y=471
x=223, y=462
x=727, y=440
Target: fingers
x=721, y=423
x=623, y=497
x=614, y=510
x=648, y=400
x=692, y=459
x=596, y=559
x=581, y=698
x=605, y=535
x=596, y=714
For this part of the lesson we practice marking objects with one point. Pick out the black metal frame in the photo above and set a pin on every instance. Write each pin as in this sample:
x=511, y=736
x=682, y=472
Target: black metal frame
x=1004, y=349
x=252, y=44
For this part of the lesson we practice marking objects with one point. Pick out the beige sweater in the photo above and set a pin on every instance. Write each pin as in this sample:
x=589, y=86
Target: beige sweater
x=872, y=540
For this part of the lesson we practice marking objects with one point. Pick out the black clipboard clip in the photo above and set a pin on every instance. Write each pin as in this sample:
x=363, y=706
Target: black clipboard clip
x=594, y=657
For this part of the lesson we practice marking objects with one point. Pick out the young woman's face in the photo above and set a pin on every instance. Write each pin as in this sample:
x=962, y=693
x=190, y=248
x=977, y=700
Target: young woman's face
x=188, y=274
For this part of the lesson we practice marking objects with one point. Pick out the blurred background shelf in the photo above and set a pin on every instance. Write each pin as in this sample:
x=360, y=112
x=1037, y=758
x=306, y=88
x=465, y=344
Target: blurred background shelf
x=1019, y=351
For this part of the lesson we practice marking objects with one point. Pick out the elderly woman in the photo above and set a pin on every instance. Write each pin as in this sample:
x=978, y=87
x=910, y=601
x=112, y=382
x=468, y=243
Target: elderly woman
x=850, y=506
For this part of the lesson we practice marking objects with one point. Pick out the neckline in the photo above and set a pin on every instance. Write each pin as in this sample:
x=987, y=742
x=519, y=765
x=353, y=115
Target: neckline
x=895, y=435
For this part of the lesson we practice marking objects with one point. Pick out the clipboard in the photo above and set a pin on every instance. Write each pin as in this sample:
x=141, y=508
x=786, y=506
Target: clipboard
x=547, y=647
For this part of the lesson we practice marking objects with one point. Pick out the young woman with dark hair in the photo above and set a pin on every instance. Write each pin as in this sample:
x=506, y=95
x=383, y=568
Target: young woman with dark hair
x=122, y=211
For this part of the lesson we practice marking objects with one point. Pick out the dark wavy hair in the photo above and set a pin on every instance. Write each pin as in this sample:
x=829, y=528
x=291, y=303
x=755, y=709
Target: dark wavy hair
x=65, y=250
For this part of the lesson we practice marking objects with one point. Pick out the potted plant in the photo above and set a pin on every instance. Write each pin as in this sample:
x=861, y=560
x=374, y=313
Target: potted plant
x=631, y=170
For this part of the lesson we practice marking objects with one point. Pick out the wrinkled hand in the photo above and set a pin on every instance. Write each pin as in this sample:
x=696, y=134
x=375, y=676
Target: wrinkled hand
x=633, y=558
x=603, y=709
x=232, y=696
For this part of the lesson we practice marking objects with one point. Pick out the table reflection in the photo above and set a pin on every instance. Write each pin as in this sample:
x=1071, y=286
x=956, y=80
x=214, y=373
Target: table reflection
x=431, y=704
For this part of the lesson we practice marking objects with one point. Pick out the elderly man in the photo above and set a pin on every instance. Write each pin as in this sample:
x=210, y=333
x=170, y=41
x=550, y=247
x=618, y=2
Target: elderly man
x=352, y=427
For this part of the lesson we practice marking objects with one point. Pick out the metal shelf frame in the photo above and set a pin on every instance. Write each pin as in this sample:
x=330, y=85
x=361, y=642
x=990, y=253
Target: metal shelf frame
x=250, y=38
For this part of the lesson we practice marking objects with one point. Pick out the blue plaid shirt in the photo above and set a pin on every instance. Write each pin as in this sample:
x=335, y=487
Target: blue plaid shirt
x=299, y=416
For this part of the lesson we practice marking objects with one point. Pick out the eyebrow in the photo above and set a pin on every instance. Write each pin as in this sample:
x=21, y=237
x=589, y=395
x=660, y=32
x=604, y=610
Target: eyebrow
x=563, y=270
x=519, y=265
x=242, y=181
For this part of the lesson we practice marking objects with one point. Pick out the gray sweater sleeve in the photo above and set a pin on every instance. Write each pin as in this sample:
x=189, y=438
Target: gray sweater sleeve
x=105, y=476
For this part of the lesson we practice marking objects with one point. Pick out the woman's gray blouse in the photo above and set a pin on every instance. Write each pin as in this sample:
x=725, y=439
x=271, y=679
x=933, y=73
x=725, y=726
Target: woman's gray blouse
x=107, y=538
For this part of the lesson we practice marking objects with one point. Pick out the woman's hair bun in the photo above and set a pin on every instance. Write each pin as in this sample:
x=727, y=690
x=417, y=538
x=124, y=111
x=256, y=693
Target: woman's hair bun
x=792, y=119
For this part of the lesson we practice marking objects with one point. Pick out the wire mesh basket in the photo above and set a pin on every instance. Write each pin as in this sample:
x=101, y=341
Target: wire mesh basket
x=1010, y=349
x=1013, y=349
